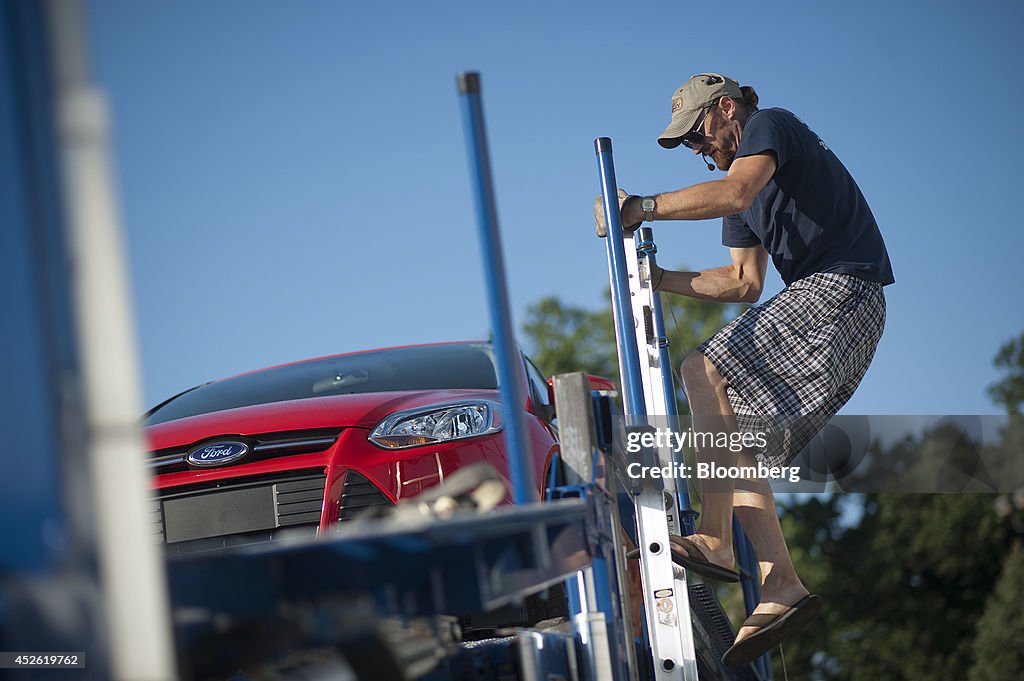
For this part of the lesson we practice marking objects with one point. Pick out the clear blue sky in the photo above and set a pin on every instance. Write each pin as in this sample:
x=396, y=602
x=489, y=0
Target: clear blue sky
x=294, y=182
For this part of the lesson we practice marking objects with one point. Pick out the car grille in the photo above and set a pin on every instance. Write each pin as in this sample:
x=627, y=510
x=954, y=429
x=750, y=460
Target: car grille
x=238, y=511
x=358, y=495
x=264, y=446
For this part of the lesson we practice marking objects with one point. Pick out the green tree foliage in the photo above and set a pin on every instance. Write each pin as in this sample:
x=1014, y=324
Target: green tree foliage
x=911, y=585
x=1009, y=392
x=999, y=647
x=904, y=588
x=566, y=338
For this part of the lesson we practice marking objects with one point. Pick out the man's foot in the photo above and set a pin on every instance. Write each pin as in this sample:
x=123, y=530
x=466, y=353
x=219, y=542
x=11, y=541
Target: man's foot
x=695, y=553
x=770, y=623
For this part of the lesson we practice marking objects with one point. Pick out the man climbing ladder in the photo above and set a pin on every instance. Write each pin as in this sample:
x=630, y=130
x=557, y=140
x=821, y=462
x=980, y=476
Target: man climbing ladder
x=784, y=367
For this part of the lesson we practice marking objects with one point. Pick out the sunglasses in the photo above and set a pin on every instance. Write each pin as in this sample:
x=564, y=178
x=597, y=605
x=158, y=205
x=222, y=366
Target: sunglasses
x=695, y=138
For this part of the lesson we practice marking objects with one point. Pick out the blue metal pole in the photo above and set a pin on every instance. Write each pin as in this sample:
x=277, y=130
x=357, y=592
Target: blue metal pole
x=747, y=561
x=748, y=567
x=50, y=587
x=524, y=490
x=629, y=356
x=38, y=353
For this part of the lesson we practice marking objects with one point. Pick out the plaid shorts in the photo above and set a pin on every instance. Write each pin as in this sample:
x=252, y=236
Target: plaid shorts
x=794, y=360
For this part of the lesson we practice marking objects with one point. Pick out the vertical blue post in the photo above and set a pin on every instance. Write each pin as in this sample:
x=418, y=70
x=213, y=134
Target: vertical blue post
x=50, y=587
x=37, y=349
x=629, y=355
x=747, y=561
x=513, y=395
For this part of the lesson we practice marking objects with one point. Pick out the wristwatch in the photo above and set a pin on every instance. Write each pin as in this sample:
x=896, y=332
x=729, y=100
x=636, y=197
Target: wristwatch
x=647, y=205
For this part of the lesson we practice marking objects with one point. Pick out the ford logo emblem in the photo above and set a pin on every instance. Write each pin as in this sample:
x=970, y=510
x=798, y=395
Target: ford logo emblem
x=217, y=454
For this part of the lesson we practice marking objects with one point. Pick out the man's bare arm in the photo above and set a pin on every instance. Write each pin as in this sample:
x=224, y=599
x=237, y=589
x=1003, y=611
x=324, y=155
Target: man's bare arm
x=740, y=282
x=732, y=194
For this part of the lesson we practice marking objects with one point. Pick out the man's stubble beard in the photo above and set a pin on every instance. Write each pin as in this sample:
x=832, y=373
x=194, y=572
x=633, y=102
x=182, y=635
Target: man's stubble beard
x=722, y=157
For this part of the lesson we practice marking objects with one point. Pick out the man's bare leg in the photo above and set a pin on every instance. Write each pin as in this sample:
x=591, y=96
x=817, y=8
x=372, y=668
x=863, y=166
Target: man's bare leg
x=755, y=509
x=752, y=499
x=709, y=409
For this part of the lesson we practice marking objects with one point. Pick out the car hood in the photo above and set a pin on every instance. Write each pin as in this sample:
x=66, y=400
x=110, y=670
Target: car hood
x=335, y=411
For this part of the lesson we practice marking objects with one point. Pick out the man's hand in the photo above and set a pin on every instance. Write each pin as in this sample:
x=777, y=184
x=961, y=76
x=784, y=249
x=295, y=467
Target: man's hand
x=599, y=219
x=657, y=274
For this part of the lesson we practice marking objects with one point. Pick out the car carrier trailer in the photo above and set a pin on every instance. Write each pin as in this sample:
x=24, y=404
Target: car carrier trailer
x=85, y=593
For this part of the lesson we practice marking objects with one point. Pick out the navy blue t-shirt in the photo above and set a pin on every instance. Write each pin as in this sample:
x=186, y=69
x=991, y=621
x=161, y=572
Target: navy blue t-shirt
x=811, y=216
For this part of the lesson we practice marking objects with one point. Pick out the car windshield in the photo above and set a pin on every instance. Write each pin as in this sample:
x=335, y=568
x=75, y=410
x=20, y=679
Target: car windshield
x=436, y=367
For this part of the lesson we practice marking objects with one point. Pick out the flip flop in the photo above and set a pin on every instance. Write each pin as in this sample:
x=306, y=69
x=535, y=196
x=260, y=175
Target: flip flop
x=696, y=561
x=773, y=629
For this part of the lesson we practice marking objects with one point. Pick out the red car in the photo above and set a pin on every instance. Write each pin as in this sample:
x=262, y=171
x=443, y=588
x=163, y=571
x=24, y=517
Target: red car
x=303, y=446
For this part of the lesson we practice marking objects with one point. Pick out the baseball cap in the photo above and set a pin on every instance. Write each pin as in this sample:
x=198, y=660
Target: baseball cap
x=690, y=99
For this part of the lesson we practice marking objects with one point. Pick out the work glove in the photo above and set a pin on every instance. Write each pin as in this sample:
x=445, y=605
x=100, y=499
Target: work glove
x=599, y=220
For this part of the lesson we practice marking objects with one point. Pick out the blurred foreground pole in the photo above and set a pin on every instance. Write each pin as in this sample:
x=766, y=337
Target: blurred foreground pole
x=131, y=566
x=78, y=572
x=513, y=395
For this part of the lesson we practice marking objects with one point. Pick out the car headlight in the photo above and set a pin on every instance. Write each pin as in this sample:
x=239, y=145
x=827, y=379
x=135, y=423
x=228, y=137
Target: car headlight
x=437, y=423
